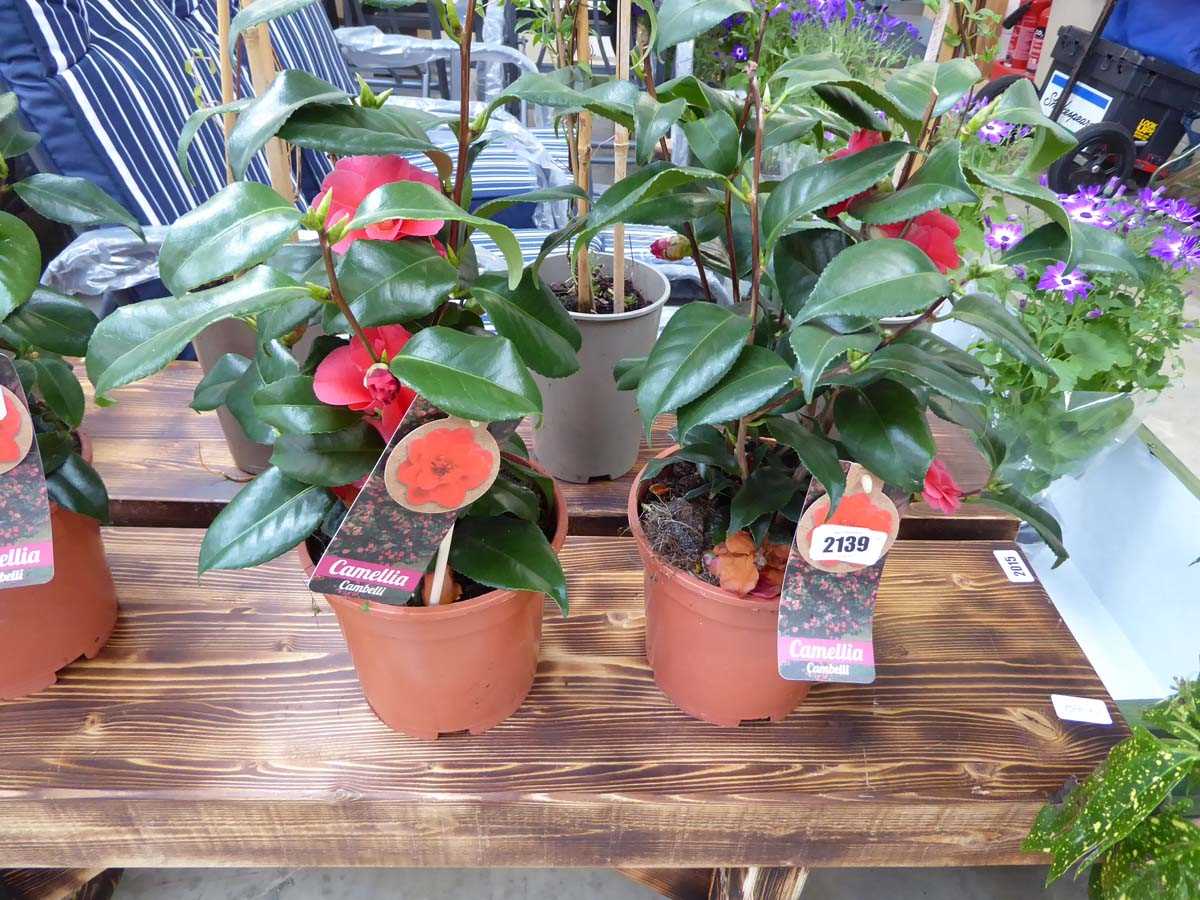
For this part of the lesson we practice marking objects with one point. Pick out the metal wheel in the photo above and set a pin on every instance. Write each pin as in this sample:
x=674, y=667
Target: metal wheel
x=1105, y=150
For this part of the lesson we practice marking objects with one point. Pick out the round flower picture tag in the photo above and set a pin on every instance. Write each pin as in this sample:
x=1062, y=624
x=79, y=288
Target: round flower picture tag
x=860, y=531
x=16, y=430
x=442, y=466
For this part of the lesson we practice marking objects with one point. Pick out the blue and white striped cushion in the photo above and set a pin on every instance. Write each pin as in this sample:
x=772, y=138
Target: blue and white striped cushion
x=529, y=239
x=555, y=143
x=497, y=172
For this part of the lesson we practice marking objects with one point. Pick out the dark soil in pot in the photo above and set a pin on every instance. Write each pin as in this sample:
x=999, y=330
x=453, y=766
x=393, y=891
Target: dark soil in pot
x=602, y=294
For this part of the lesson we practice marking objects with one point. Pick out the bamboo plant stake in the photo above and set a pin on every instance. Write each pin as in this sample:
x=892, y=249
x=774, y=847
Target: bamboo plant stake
x=226, y=65
x=621, y=155
x=583, y=158
x=262, y=72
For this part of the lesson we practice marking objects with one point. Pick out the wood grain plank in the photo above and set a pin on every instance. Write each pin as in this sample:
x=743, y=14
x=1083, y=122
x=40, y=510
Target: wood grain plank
x=57, y=884
x=223, y=725
x=166, y=465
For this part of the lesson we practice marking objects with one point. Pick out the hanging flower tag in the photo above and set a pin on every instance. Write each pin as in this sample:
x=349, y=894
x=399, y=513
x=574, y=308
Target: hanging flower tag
x=827, y=604
x=26, y=540
x=432, y=467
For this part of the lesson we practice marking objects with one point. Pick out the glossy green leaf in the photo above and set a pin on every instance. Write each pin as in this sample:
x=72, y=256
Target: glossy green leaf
x=74, y=201
x=236, y=228
x=386, y=282
x=20, y=263
x=342, y=130
x=240, y=403
x=652, y=121
x=59, y=388
x=213, y=389
x=937, y=184
x=848, y=96
x=683, y=20
x=697, y=347
x=942, y=351
x=493, y=208
x=883, y=277
x=192, y=127
x=1000, y=324
x=329, y=459
x=910, y=361
x=508, y=553
x=823, y=184
x=290, y=405
x=817, y=453
x=1096, y=250
x=139, y=339
x=268, y=517
x=648, y=185
x=262, y=11
x=1020, y=105
x=884, y=428
x=705, y=446
x=54, y=447
x=50, y=321
x=784, y=128
x=507, y=496
x=259, y=121
x=475, y=377
x=816, y=348
x=1038, y=519
x=545, y=336
x=76, y=486
x=715, y=141
x=912, y=87
x=570, y=90
x=416, y=200
x=14, y=139
x=767, y=490
x=756, y=377
x=628, y=372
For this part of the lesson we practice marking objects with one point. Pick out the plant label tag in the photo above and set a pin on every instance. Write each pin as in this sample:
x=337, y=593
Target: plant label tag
x=845, y=543
x=827, y=603
x=26, y=539
x=1081, y=709
x=1014, y=567
x=432, y=467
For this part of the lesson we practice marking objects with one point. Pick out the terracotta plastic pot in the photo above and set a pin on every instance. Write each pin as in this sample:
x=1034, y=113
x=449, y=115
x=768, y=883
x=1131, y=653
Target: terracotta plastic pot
x=48, y=626
x=712, y=652
x=589, y=429
x=429, y=671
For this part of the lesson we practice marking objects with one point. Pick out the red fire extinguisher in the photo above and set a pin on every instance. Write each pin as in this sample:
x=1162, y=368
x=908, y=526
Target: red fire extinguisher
x=1024, y=22
x=1039, y=40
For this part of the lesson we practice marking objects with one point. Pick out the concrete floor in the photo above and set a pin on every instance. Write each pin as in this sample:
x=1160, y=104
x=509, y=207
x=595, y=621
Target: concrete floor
x=563, y=884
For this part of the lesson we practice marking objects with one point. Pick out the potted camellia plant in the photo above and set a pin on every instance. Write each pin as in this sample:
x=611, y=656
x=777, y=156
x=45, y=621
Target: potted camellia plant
x=44, y=627
x=801, y=373
x=390, y=275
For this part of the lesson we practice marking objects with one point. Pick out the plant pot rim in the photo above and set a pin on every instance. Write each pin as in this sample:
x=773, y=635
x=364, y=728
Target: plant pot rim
x=665, y=293
x=449, y=610
x=694, y=584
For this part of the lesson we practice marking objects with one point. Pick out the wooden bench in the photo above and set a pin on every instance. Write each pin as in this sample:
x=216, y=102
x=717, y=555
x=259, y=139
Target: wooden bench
x=223, y=726
x=168, y=466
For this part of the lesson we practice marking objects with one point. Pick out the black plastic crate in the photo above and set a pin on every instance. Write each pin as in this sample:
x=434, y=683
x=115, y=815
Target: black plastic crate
x=1149, y=97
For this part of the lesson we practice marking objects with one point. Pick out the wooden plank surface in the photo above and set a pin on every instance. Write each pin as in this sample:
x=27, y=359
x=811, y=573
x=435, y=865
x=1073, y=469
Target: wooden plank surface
x=57, y=884
x=166, y=465
x=223, y=725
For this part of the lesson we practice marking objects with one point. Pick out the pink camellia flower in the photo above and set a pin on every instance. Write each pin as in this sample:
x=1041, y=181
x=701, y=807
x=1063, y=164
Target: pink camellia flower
x=859, y=141
x=349, y=377
x=356, y=176
x=941, y=490
x=934, y=232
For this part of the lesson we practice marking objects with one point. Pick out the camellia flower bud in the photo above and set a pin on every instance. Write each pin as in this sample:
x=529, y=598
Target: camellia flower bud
x=675, y=247
x=381, y=384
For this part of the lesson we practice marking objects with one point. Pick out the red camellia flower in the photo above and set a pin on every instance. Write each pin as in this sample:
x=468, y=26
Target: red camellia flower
x=674, y=247
x=10, y=426
x=859, y=141
x=350, y=377
x=934, y=232
x=941, y=491
x=443, y=466
x=353, y=177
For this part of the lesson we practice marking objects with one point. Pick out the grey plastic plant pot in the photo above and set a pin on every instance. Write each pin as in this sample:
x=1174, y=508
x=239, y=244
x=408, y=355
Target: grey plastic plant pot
x=589, y=429
x=236, y=336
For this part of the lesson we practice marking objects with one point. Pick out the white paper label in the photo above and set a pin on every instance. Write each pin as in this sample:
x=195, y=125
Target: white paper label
x=1014, y=566
x=1086, y=105
x=845, y=543
x=1081, y=709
